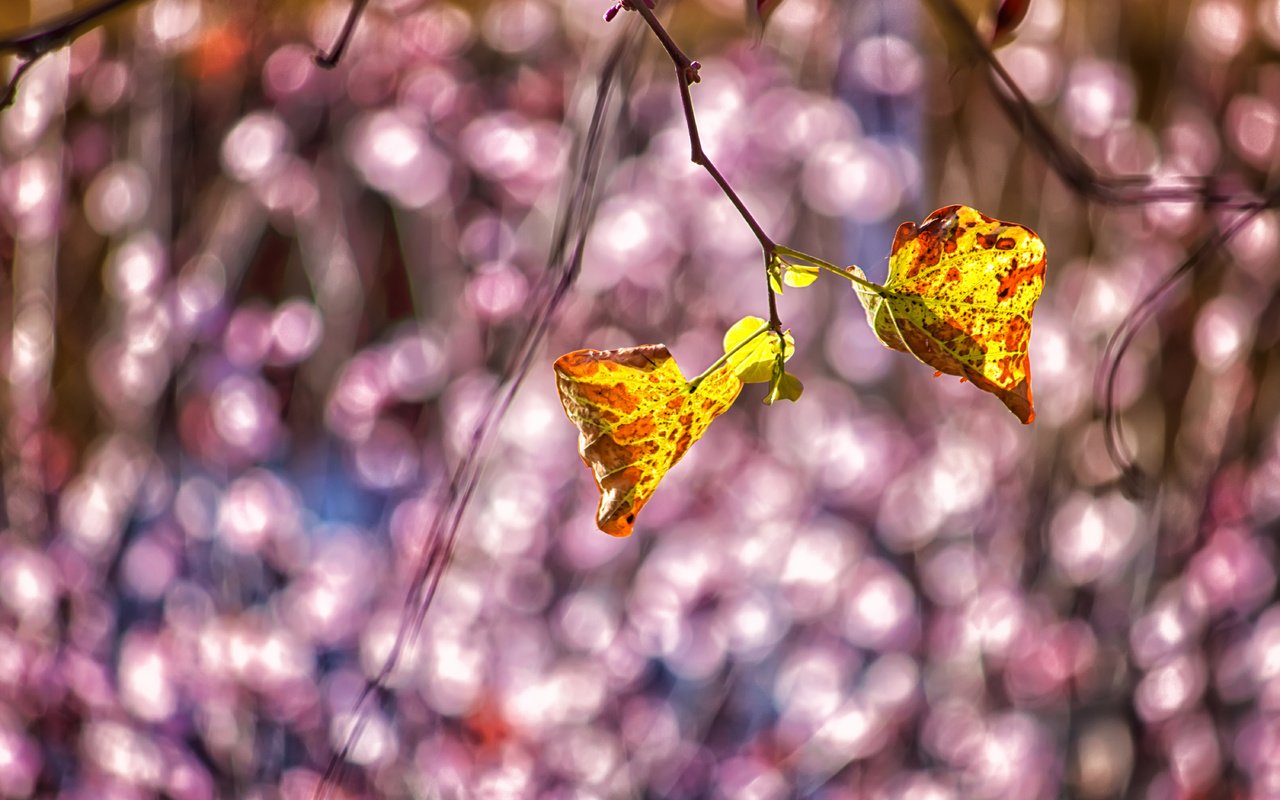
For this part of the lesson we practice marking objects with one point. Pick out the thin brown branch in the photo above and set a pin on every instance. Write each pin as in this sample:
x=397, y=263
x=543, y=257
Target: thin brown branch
x=40, y=38
x=11, y=89
x=1132, y=480
x=686, y=74
x=775, y=321
x=36, y=41
x=330, y=59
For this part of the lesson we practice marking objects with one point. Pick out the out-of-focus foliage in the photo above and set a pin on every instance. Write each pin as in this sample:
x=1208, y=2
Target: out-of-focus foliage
x=252, y=311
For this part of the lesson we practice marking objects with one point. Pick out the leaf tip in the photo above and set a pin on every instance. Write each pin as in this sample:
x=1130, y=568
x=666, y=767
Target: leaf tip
x=617, y=524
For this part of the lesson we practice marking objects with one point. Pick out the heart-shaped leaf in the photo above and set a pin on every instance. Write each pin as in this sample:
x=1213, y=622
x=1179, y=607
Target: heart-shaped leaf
x=752, y=351
x=960, y=294
x=782, y=272
x=636, y=417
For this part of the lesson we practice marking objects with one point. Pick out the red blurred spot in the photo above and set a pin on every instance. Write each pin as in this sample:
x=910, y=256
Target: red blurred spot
x=55, y=455
x=487, y=724
x=219, y=51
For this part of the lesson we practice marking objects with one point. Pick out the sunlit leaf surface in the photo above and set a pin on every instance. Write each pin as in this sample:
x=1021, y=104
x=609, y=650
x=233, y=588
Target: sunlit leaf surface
x=961, y=290
x=636, y=416
x=799, y=276
x=754, y=361
x=784, y=386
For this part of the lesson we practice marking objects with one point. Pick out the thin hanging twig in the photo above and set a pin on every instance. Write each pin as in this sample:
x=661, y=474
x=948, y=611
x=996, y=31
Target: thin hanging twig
x=330, y=59
x=687, y=73
x=566, y=259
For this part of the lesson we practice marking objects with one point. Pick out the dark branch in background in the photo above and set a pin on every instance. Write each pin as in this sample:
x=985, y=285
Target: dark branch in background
x=687, y=74
x=330, y=59
x=1064, y=160
x=37, y=41
x=11, y=90
x=1132, y=480
x=1085, y=182
x=565, y=258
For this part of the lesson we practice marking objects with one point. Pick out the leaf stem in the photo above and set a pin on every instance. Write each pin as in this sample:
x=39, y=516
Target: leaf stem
x=720, y=362
x=814, y=261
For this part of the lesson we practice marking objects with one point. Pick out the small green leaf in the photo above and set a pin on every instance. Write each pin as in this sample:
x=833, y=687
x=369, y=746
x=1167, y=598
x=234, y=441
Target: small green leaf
x=799, y=276
x=785, y=387
x=754, y=362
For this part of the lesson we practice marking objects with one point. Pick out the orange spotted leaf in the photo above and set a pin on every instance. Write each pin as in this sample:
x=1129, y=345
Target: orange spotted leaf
x=961, y=290
x=636, y=416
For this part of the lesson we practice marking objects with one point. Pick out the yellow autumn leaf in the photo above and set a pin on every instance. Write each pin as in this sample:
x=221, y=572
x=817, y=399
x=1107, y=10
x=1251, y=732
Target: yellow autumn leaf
x=799, y=275
x=636, y=417
x=961, y=290
x=784, y=386
x=752, y=355
x=784, y=273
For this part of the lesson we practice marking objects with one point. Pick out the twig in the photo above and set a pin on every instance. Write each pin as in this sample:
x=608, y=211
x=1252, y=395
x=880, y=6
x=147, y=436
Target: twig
x=1065, y=161
x=42, y=37
x=11, y=89
x=687, y=73
x=34, y=43
x=1132, y=479
x=330, y=60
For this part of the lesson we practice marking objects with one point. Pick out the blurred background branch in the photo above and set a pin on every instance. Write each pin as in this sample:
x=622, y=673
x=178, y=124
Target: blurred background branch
x=32, y=43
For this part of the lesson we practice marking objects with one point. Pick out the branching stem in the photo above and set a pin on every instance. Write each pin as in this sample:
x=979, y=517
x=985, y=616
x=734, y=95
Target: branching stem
x=814, y=261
